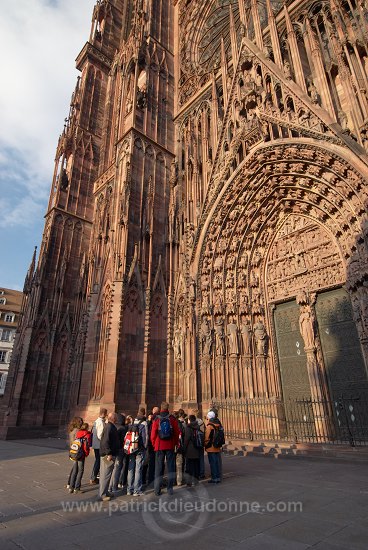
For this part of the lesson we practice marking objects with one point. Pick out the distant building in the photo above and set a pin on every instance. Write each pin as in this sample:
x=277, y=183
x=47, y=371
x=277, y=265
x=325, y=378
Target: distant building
x=10, y=306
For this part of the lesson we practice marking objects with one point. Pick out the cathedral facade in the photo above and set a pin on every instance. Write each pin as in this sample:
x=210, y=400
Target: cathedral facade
x=206, y=238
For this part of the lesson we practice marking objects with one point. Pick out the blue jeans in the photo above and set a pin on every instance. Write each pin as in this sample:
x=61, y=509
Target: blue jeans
x=214, y=460
x=135, y=468
x=76, y=474
x=159, y=466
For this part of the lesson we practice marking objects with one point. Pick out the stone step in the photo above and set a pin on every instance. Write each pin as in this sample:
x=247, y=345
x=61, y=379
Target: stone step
x=285, y=450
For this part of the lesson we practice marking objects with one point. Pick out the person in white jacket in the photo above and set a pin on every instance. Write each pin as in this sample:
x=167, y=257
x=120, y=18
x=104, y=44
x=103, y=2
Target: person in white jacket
x=97, y=430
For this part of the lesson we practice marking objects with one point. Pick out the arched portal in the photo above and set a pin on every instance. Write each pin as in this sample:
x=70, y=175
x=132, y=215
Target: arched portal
x=287, y=227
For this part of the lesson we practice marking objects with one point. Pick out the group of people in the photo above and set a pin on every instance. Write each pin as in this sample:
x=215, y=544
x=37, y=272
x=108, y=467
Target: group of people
x=134, y=452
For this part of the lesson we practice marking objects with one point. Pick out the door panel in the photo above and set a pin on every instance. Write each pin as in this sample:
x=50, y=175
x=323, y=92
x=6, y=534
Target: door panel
x=292, y=358
x=340, y=344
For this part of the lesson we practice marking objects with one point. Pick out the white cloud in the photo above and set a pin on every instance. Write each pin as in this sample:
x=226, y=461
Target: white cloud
x=41, y=39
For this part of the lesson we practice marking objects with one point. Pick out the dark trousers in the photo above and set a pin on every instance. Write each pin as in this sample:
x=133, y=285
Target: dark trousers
x=96, y=465
x=149, y=468
x=124, y=471
x=214, y=460
x=76, y=474
x=201, y=463
x=192, y=469
x=160, y=457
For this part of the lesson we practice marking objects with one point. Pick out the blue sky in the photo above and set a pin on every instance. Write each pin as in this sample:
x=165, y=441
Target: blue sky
x=40, y=40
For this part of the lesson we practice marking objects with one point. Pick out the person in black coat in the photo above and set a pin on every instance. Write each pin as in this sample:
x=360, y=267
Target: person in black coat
x=120, y=458
x=109, y=450
x=192, y=451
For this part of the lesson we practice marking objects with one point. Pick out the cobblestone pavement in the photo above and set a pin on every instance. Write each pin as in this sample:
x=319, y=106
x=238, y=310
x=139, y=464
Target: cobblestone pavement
x=262, y=503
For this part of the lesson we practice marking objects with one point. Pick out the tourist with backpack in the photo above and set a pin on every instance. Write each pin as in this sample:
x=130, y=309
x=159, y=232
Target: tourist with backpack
x=149, y=476
x=179, y=449
x=164, y=438
x=202, y=427
x=109, y=450
x=79, y=450
x=193, y=444
x=135, y=446
x=215, y=410
x=97, y=430
x=121, y=456
x=73, y=427
x=214, y=439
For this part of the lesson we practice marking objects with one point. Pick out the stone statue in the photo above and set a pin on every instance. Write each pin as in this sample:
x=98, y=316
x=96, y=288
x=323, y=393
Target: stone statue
x=192, y=290
x=313, y=94
x=261, y=338
x=220, y=337
x=246, y=334
x=287, y=70
x=306, y=327
x=190, y=235
x=343, y=121
x=232, y=334
x=177, y=344
x=206, y=337
x=174, y=172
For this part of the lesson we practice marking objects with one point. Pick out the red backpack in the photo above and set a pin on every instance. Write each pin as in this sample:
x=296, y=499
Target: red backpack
x=132, y=439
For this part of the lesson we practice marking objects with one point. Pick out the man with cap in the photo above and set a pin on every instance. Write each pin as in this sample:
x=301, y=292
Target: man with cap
x=213, y=453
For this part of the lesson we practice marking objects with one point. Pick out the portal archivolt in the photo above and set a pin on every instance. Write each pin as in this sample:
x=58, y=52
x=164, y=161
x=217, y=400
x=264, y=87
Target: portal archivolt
x=288, y=224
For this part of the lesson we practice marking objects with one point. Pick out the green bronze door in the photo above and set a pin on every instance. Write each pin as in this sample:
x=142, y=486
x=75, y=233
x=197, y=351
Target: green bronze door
x=293, y=370
x=340, y=344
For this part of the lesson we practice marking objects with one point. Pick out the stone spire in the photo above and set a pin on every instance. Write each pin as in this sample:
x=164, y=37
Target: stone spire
x=224, y=71
x=234, y=44
x=274, y=35
x=30, y=273
x=294, y=51
x=257, y=24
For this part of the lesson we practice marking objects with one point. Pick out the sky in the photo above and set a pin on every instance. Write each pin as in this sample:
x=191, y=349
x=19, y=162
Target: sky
x=39, y=41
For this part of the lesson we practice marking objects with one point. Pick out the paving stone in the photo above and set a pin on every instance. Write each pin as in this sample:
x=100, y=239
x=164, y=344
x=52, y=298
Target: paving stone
x=353, y=536
x=266, y=542
x=302, y=529
x=32, y=496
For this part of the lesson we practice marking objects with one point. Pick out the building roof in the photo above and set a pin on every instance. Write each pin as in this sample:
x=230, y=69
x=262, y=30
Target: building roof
x=13, y=304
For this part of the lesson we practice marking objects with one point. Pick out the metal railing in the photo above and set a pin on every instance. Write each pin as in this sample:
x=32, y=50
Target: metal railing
x=343, y=420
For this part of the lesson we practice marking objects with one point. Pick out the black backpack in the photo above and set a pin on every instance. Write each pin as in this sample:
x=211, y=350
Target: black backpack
x=218, y=436
x=197, y=438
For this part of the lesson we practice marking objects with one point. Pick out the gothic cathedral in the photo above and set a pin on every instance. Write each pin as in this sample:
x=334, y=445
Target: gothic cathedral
x=206, y=238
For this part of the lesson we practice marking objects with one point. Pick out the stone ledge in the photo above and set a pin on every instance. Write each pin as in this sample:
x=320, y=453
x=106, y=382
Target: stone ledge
x=32, y=432
x=284, y=450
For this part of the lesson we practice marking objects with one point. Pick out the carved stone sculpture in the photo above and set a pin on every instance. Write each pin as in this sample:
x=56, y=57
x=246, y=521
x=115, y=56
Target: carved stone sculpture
x=306, y=327
x=177, y=344
x=220, y=338
x=246, y=334
x=232, y=334
x=206, y=337
x=261, y=338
